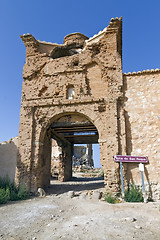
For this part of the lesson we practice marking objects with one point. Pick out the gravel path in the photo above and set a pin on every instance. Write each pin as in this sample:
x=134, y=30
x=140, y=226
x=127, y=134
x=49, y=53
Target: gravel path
x=83, y=217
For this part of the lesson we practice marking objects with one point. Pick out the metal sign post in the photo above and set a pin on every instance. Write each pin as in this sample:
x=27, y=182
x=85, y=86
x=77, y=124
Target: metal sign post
x=141, y=168
x=121, y=169
x=132, y=159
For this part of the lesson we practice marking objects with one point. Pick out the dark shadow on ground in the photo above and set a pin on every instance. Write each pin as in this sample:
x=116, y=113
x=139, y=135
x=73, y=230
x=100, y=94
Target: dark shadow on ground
x=75, y=184
x=84, y=179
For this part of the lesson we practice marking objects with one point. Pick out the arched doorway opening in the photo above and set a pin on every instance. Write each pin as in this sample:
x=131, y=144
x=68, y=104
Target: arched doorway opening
x=69, y=130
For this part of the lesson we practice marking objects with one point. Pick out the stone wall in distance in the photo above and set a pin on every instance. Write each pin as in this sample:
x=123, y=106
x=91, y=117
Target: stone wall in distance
x=8, y=158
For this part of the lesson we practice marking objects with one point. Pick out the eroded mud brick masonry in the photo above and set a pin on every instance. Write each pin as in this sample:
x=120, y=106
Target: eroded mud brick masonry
x=79, y=87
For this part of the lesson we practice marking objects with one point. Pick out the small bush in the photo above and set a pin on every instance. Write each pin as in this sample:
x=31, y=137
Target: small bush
x=23, y=192
x=110, y=198
x=13, y=194
x=83, y=170
x=9, y=192
x=4, y=195
x=133, y=194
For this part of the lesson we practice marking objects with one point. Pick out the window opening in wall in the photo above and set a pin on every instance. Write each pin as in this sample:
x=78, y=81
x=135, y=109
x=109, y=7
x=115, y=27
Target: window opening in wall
x=75, y=63
x=70, y=93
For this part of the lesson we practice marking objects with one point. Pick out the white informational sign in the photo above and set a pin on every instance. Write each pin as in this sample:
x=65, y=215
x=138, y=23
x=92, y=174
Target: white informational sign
x=141, y=167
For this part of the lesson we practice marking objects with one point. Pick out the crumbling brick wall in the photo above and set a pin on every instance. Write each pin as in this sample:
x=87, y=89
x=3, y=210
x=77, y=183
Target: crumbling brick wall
x=81, y=81
x=93, y=67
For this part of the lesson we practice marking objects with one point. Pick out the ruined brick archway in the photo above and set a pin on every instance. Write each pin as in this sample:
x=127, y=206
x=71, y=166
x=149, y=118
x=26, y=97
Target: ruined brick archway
x=82, y=77
x=67, y=129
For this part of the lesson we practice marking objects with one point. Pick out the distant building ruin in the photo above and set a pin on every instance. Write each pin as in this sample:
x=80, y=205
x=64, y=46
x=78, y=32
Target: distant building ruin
x=76, y=93
x=82, y=158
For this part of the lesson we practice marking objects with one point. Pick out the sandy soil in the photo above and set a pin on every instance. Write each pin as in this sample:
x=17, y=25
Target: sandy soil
x=83, y=217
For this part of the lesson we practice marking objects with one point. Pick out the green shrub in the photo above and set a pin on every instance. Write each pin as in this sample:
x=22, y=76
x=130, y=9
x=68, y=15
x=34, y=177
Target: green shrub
x=9, y=192
x=14, y=194
x=3, y=195
x=23, y=192
x=83, y=170
x=110, y=198
x=133, y=194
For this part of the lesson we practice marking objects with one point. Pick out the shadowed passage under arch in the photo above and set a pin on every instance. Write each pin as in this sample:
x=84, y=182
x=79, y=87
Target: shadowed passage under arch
x=67, y=129
x=75, y=128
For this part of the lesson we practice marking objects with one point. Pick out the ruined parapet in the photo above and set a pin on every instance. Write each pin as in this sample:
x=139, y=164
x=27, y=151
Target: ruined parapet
x=30, y=43
x=75, y=38
x=115, y=25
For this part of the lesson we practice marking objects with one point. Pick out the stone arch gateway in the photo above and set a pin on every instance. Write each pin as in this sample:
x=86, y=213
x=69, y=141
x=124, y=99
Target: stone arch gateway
x=93, y=67
x=67, y=129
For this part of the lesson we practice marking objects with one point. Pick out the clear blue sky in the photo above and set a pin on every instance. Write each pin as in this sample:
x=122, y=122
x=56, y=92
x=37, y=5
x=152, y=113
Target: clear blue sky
x=51, y=20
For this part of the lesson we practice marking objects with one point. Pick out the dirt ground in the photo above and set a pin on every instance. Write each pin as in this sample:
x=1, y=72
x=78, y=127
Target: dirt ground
x=60, y=215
